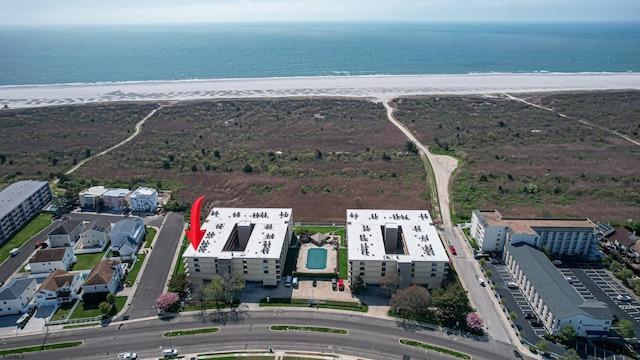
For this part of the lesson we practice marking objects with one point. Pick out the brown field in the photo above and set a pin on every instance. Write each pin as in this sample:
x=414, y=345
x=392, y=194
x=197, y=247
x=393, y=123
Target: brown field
x=321, y=156
x=527, y=161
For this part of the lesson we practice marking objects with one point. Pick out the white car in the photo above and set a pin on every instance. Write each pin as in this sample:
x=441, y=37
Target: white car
x=624, y=298
x=128, y=356
x=169, y=353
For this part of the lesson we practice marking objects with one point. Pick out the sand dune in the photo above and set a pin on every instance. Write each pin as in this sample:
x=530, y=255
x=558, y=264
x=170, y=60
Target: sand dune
x=376, y=87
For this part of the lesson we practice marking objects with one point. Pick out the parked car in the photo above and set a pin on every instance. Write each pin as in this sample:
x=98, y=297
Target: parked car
x=625, y=298
x=315, y=283
x=287, y=282
x=453, y=250
x=334, y=284
x=512, y=285
x=340, y=284
x=41, y=244
x=529, y=316
x=569, y=279
x=294, y=282
x=495, y=261
x=481, y=281
x=537, y=323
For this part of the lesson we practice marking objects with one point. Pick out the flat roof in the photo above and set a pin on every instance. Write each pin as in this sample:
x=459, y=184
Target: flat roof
x=116, y=192
x=366, y=238
x=270, y=226
x=16, y=193
x=94, y=190
x=144, y=191
x=527, y=225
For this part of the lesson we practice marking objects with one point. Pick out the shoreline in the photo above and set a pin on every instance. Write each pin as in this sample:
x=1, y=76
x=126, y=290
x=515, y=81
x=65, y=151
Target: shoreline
x=379, y=87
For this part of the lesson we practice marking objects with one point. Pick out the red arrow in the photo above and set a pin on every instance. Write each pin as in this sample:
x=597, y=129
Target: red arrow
x=194, y=233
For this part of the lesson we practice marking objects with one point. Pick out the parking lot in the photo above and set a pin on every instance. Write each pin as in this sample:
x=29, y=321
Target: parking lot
x=592, y=281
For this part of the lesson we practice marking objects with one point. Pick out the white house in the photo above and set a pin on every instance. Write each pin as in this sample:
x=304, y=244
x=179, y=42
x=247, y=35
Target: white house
x=66, y=234
x=16, y=295
x=143, y=199
x=91, y=196
x=60, y=287
x=48, y=260
x=105, y=277
x=126, y=236
x=95, y=233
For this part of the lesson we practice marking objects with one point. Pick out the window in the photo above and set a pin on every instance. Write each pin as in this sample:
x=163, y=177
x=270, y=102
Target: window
x=384, y=264
x=433, y=274
x=197, y=270
x=265, y=261
x=196, y=259
x=361, y=268
x=266, y=271
x=383, y=273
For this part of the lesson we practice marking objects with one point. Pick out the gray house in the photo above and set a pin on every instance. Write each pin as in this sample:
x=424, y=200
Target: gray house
x=126, y=236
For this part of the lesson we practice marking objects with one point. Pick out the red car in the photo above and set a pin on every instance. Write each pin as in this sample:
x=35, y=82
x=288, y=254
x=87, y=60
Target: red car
x=340, y=284
x=453, y=250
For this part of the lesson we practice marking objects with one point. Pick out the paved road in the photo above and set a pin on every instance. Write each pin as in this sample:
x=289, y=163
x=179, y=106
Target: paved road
x=157, y=269
x=13, y=264
x=367, y=337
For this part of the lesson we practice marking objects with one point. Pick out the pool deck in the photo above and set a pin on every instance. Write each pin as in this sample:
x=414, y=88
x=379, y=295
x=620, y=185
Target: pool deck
x=332, y=258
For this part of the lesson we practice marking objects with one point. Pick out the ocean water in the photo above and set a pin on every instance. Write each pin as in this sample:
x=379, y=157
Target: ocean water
x=60, y=55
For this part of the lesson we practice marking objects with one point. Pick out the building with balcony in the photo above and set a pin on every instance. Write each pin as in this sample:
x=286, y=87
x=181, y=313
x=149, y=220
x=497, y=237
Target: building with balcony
x=402, y=242
x=252, y=242
x=19, y=203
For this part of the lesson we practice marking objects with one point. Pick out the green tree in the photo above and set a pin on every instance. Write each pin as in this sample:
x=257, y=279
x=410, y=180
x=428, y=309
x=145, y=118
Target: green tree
x=411, y=147
x=625, y=274
x=412, y=300
x=568, y=334
x=570, y=354
x=543, y=346
x=358, y=286
x=513, y=316
x=105, y=308
x=389, y=284
x=545, y=250
x=483, y=262
x=178, y=283
x=625, y=327
x=112, y=298
x=452, y=303
x=488, y=272
x=615, y=266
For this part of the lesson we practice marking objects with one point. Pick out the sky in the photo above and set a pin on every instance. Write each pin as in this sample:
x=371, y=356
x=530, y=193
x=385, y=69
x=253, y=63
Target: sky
x=77, y=12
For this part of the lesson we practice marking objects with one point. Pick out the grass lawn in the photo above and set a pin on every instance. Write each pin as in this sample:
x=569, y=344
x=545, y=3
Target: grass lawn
x=179, y=269
x=89, y=310
x=17, y=353
x=30, y=230
x=133, y=274
x=63, y=311
x=190, y=332
x=87, y=261
x=148, y=238
x=343, y=262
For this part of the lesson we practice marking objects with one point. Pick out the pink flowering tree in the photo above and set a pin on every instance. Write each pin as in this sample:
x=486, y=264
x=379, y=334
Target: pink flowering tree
x=168, y=302
x=474, y=321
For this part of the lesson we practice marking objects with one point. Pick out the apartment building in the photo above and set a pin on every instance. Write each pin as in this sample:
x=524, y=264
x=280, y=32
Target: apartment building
x=19, y=203
x=402, y=242
x=248, y=241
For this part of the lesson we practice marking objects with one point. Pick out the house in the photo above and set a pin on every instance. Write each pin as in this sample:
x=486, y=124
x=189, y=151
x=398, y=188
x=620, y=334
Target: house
x=143, y=199
x=623, y=239
x=95, y=233
x=60, y=287
x=116, y=199
x=19, y=203
x=105, y=277
x=48, y=260
x=126, y=236
x=91, y=197
x=66, y=234
x=16, y=295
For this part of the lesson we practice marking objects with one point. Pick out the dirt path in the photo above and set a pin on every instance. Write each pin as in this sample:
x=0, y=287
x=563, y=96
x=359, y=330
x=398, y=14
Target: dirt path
x=443, y=167
x=138, y=129
x=588, y=123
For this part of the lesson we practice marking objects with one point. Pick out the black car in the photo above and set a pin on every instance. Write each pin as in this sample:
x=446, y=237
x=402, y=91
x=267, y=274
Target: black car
x=529, y=316
x=536, y=323
x=334, y=284
x=315, y=282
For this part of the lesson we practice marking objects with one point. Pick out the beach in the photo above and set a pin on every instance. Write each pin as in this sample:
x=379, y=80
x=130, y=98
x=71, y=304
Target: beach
x=378, y=87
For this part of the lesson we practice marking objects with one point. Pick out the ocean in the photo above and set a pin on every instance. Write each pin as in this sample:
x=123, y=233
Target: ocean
x=67, y=55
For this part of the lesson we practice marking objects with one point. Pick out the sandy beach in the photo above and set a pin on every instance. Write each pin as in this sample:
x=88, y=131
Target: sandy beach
x=374, y=87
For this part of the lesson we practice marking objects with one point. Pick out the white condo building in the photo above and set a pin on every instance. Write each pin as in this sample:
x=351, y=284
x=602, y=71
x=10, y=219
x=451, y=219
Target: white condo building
x=406, y=242
x=19, y=203
x=90, y=197
x=143, y=199
x=248, y=241
x=493, y=232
